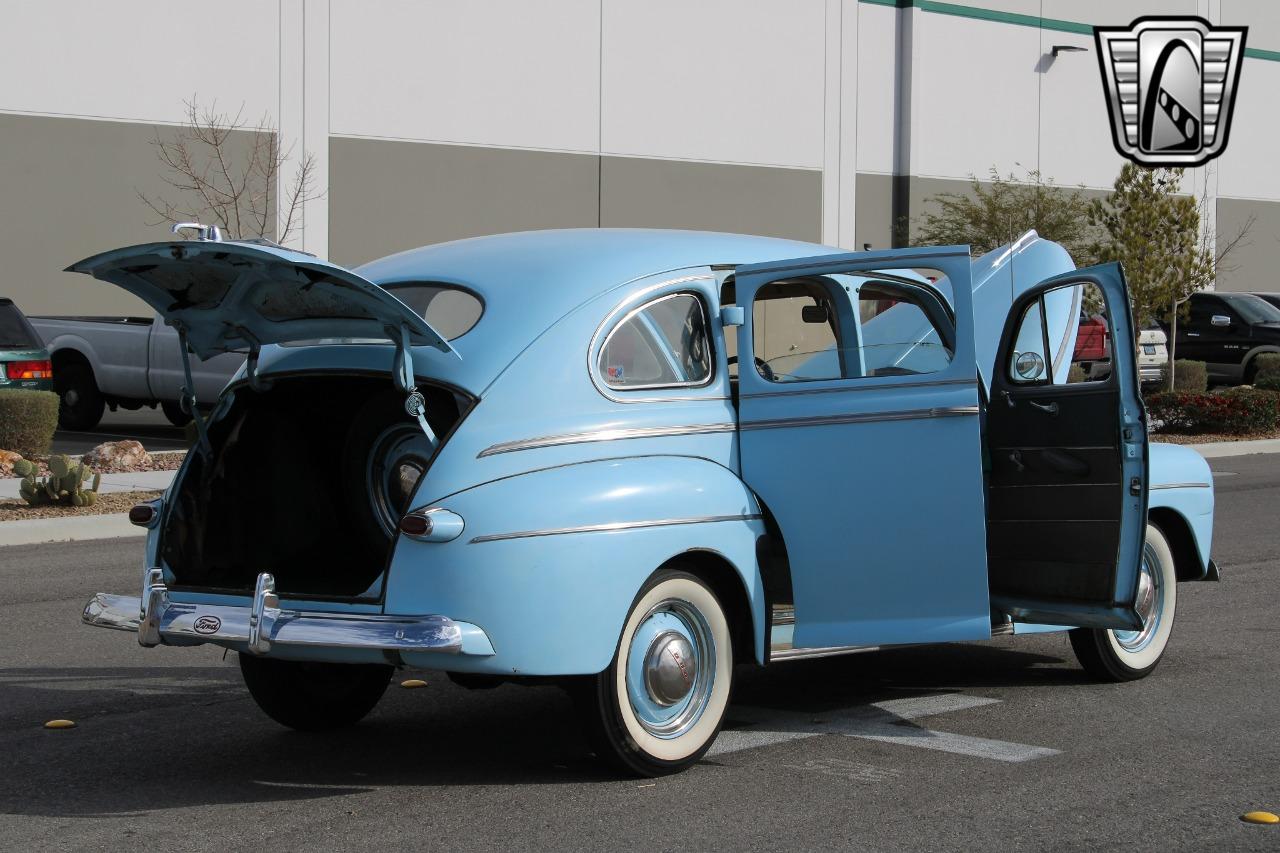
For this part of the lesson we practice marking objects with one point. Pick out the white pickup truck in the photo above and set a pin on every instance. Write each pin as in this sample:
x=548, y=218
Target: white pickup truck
x=124, y=362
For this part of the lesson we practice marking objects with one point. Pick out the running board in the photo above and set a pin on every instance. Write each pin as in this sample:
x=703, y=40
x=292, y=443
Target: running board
x=782, y=631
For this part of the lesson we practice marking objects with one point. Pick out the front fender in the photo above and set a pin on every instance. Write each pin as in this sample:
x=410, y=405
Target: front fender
x=550, y=561
x=1182, y=482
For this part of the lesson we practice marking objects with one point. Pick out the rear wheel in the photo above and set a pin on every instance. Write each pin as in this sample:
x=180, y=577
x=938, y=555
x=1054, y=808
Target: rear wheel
x=314, y=697
x=1111, y=655
x=658, y=706
x=80, y=403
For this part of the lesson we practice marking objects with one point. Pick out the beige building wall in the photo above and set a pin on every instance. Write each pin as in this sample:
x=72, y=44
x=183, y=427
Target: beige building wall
x=69, y=188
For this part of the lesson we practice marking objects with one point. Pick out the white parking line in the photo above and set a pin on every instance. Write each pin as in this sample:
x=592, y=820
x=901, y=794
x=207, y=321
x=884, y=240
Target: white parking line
x=881, y=721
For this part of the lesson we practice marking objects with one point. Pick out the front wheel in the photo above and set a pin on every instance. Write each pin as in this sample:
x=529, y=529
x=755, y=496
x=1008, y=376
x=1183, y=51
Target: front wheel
x=313, y=697
x=1113, y=655
x=658, y=706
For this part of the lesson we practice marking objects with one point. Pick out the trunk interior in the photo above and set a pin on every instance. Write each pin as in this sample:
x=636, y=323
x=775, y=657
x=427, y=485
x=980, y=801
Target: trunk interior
x=307, y=480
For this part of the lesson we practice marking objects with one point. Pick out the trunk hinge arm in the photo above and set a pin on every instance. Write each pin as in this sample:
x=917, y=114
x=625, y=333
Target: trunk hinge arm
x=255, y=380
x=188, y=394
x=415, y=404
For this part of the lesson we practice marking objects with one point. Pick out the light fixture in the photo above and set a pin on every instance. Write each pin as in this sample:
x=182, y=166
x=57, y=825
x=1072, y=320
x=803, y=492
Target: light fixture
x=1068, y=48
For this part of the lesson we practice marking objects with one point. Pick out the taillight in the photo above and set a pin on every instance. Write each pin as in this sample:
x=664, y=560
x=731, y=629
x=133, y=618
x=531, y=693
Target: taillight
x=29, y=369
x=145, y=514
x=432, y=525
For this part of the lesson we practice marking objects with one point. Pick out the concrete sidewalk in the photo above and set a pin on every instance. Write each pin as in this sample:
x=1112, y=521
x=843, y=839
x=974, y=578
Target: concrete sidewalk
x=1219, y=449
x=139, y=481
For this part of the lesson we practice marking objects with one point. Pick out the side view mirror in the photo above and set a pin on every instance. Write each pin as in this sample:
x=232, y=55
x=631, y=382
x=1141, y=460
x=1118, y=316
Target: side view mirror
x=1029, y=365
x=1220, y=320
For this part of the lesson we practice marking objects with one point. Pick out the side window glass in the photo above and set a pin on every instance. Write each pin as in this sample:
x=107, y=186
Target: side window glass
x=846, y=327
x=1064, y=338
x=796, y=330
x=662, y=344
x=898, y=338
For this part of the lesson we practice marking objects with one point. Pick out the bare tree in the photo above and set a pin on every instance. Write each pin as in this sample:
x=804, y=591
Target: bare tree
x=228, y=177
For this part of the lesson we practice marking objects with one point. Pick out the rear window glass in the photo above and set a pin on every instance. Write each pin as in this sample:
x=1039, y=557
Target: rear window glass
x=15, y=331
x=449, y=310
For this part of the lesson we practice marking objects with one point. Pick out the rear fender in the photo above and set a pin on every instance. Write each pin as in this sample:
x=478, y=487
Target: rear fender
x=549, y=561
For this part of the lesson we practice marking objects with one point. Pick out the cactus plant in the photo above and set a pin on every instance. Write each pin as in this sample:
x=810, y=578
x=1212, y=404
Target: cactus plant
x=65, y=483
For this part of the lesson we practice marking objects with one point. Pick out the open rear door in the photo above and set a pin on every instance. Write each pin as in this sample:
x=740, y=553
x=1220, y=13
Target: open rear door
x=1067, y=499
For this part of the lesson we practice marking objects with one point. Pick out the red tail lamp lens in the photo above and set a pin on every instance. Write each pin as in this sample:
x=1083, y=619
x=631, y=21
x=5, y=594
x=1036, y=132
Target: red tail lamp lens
x=415, y=525
x=142, y=514
x=29, y=370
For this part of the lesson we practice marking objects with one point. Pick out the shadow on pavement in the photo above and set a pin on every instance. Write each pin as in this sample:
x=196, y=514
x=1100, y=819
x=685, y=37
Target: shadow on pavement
x=162, y=738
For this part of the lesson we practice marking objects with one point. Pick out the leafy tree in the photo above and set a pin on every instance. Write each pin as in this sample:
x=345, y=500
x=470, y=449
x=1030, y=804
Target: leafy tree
x=1006, y=207
x=1157, y=232
x=1153, y=229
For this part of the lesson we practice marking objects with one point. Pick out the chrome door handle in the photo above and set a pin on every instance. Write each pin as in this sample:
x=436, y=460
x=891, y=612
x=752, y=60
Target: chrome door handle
x=1193, y=334
x=1051, y=408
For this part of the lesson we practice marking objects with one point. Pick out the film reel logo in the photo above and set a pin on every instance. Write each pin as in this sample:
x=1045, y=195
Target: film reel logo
x=1171, y=85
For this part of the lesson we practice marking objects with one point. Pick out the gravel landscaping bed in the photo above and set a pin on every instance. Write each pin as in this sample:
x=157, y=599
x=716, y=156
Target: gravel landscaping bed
x=16, y=509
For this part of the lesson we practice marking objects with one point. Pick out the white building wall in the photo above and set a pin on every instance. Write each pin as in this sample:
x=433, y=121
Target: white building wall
x=817, y=85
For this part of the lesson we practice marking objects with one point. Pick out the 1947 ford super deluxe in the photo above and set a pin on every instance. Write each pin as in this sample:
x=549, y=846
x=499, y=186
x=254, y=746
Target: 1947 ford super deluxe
x=629, y=460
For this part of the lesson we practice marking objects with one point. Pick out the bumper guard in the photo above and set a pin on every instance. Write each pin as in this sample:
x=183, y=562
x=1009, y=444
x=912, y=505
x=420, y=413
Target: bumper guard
x=263, y=624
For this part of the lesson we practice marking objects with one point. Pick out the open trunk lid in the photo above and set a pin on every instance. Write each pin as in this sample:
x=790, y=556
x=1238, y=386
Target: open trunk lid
x=230, y=295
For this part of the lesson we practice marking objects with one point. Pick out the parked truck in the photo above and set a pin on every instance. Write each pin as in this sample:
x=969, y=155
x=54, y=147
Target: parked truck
x=126, y=363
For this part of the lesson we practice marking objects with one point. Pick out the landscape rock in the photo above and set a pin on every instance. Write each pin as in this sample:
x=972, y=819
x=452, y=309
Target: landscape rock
x=117, y=456
x=7, y=458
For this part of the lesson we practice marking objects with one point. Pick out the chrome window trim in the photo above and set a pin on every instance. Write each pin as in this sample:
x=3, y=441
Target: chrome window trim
x=862, y=386
x=602, y=435
x=635, y=301
x=863, y=417
x=668, y=355
x=613, y=526
x=1182, y=486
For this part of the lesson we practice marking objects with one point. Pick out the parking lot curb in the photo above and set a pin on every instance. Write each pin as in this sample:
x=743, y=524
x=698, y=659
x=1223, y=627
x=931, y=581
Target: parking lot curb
x=33, y=531
x=1220, y=449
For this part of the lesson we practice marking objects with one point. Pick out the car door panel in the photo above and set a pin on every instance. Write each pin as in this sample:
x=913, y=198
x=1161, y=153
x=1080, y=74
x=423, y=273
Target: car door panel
x=1067, y=487
x=876, y=480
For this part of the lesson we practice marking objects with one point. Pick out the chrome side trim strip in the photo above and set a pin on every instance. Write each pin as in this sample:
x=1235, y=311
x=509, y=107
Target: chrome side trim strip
x=826, y=652
x=601, y=435
x=863, y=417
x=1182, y=486
x=879, y=386
x=617, y=525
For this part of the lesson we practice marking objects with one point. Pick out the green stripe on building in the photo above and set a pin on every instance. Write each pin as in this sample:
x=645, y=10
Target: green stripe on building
x=1020, y=20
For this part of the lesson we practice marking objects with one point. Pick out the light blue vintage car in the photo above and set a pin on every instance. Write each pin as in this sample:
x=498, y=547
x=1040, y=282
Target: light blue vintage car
x=629, y=460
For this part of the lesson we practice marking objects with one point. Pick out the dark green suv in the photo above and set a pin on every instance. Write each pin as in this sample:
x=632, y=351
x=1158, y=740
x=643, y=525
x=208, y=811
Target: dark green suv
x=24, y=362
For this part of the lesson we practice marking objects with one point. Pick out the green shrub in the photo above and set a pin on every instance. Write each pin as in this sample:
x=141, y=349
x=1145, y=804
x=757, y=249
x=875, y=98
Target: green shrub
x=1267, y=371
x=27, y=420
x=1240, y=411
x=1190, y=376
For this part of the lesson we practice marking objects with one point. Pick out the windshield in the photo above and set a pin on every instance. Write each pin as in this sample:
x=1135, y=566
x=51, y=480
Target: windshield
x=1252, y=308
x=15, y=331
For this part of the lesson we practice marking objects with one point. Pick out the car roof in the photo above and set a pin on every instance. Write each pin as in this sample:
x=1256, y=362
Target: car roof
x=530, y=279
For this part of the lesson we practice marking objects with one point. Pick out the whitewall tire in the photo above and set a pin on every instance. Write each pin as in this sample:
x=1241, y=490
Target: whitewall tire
x=1114, y=655
x=658, y=706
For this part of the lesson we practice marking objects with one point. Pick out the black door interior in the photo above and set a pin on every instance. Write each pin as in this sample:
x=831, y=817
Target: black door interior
x=1055, y=495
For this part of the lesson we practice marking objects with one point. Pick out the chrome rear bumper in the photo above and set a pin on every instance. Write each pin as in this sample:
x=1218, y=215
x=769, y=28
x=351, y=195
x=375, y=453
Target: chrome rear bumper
x=264, y=625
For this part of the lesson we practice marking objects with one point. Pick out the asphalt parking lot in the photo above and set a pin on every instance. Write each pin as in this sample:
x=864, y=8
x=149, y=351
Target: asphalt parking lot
x=1003, y=744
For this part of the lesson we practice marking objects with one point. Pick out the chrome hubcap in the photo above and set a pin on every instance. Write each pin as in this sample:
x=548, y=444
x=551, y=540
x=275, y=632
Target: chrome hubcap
x=671, y=667
x=1149, y=604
